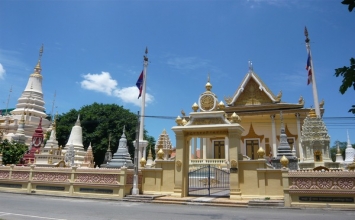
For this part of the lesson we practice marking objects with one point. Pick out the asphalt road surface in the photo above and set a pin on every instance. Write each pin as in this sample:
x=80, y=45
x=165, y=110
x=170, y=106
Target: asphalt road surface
x=31, y=207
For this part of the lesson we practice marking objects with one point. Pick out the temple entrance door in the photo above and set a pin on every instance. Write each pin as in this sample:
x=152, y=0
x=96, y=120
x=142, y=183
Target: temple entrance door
x=219, y=150
x=252, y=147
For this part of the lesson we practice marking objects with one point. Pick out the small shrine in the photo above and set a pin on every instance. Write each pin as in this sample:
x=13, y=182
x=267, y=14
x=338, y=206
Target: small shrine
x=315, y=143
x=284, y=153
x=35, y=147
x=89, y=158
x=51, y=154
x=163, y=146
x=121, y=158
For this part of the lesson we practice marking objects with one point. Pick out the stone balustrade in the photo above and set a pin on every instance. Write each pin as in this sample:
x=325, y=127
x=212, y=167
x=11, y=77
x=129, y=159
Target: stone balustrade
x=72, y=181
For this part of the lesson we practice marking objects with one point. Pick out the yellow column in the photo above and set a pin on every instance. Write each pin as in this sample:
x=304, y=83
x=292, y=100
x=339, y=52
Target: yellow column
x=179, y=163
x=234, y=150
x=285, y=184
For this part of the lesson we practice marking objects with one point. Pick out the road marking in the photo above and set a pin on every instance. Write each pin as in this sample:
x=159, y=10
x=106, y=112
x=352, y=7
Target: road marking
x=31, y=216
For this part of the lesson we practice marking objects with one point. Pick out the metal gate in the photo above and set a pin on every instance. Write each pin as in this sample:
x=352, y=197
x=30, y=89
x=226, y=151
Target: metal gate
x=208, y=180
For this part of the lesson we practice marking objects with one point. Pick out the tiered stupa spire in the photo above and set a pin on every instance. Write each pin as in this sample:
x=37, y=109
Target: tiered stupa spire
x=315, y=143
x=163, y=146
x=31, y=100
x=284, y=151
x=349, y=152
x=89, y=158
x=121, y=157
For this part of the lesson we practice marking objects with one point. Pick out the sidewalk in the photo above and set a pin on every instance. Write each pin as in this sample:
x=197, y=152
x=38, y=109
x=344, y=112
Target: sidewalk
x=206, y=201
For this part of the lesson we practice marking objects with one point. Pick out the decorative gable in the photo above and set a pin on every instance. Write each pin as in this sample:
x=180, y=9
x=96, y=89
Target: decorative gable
x=253, y=91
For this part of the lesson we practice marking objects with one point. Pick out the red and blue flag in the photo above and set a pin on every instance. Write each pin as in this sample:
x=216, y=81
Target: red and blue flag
x=139, y=84
x=309, y=69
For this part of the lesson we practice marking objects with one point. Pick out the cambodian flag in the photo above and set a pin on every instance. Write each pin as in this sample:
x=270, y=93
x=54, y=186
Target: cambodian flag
x=309, y=69
x=139, y=84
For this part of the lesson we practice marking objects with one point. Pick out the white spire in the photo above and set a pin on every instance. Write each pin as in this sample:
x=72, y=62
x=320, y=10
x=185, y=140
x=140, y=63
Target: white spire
x=33, y=94
x=349, y=144
x=349, y=151
x=76, y=136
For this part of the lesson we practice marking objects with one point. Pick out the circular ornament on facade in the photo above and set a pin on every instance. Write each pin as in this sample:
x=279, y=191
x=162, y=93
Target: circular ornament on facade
x=207, y=102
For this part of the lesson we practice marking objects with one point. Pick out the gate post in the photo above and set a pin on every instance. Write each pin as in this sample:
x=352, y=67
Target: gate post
x=234, y=149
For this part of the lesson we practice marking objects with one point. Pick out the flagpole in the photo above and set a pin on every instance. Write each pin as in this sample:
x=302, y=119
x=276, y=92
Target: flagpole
x=314, y=84
x=142, y=144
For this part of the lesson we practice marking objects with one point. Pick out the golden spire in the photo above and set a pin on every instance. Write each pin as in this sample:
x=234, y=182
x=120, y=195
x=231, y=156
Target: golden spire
x=312, y=113
x=37, y=69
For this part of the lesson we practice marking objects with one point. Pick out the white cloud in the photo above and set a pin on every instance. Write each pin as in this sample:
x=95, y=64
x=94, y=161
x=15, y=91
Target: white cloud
x=2, y=71
x=130, y=95
x=99, y=82
x=105, y=84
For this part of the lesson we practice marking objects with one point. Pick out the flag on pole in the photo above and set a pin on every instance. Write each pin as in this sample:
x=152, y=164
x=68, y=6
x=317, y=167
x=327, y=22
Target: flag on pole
x=309, y=69
x=139, y=84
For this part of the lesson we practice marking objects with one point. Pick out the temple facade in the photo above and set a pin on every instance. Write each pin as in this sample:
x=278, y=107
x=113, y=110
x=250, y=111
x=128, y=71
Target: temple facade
x=258, y=111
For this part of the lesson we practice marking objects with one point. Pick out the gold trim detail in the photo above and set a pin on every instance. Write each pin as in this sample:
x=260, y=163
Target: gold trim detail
x=252, y=134
x=207, y=121
x=234, y=164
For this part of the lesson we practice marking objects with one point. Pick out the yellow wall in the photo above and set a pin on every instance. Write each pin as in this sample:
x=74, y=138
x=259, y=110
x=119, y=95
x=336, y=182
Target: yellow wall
x=159, y=180
x=256, y=181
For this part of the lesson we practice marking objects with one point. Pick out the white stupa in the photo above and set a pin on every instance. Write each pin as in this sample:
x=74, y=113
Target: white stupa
x=76, y=139
x=349, y=153
x=30, y=104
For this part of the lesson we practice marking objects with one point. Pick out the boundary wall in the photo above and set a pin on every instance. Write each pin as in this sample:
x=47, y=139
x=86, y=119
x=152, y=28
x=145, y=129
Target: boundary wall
x=72, y=181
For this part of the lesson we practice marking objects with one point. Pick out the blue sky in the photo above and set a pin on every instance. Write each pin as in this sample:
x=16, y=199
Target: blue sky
x=93, y=52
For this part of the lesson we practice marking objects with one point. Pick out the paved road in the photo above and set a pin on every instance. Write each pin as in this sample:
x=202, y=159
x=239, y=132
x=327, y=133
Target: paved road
x=31, y=207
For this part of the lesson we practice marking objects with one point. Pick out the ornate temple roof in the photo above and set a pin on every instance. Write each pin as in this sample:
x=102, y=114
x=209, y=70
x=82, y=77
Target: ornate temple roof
x=253, y=93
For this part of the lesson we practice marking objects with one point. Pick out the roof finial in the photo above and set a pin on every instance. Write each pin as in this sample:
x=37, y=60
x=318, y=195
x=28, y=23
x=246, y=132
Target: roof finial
x=347, y=131
x=208, y=77
x=306, y=34
x=38, y=66
x=77, y=123
x=282, y=119
x=145, y=56
x=40, y=53
x=250, y=66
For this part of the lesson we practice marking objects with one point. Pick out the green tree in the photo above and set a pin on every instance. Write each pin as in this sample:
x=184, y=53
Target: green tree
x=347, y=72
x=99, y=122
x=12, y=152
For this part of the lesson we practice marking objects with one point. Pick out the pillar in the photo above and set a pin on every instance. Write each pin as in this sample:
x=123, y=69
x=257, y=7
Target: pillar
x=179, y=164
x=204, y=150
x=300, y=150
x=234, y=149
x=226, y=148
x=273, y=133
